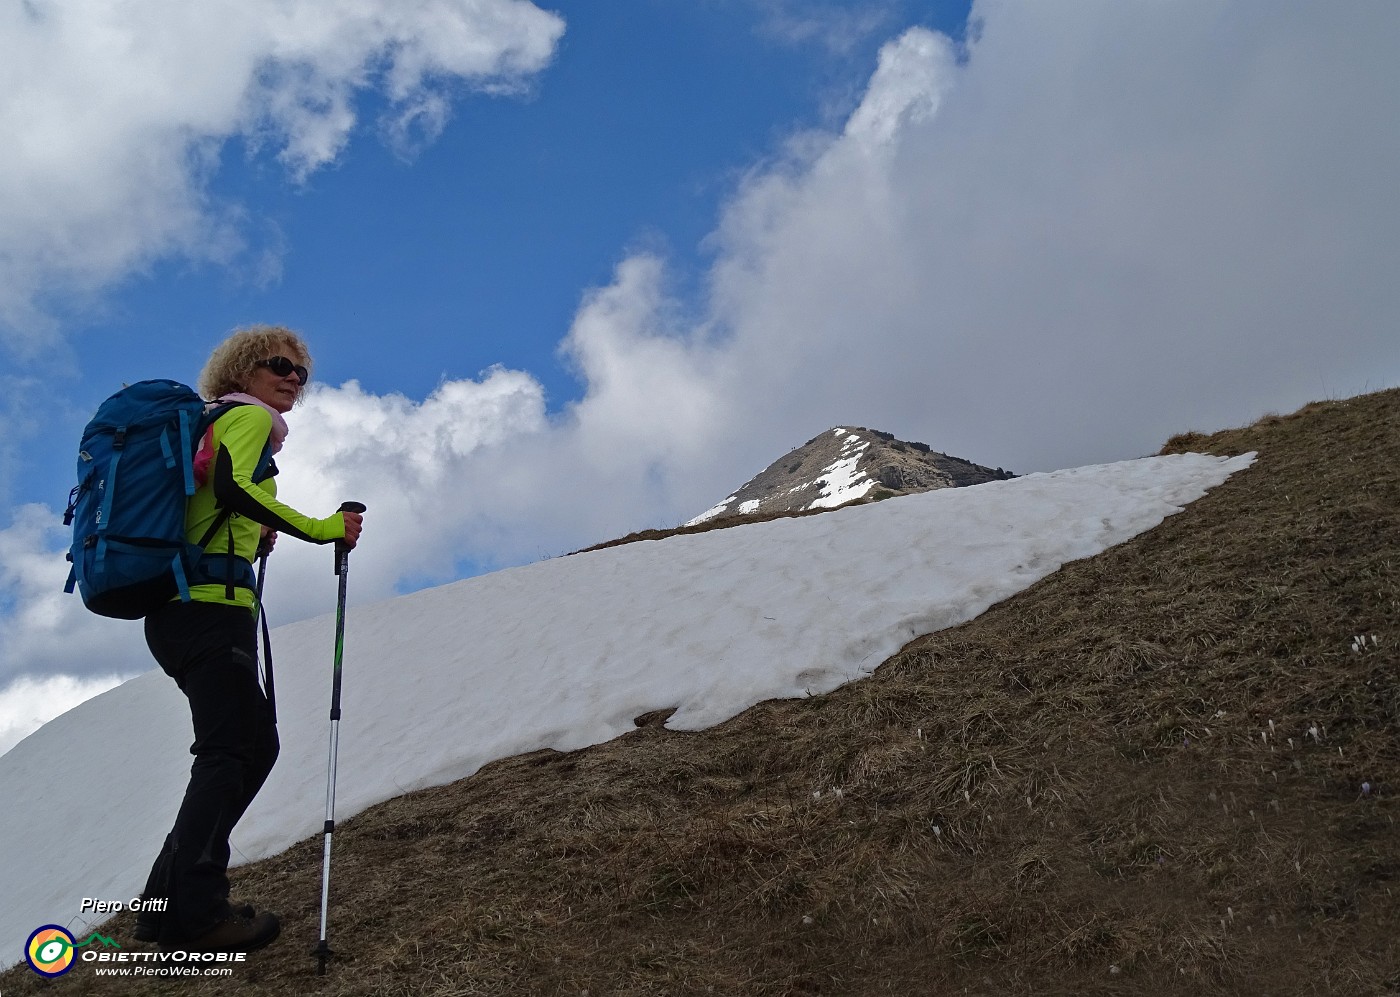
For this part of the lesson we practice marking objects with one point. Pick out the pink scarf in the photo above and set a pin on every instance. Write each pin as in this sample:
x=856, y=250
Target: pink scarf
x=279, y=424
x=206, y=446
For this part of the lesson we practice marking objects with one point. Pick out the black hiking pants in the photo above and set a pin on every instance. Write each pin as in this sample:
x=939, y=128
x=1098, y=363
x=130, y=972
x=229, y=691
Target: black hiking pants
x=210, y=651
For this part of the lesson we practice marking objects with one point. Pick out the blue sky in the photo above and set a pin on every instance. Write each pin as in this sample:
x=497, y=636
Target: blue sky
x=572, y=271
x=476, y=248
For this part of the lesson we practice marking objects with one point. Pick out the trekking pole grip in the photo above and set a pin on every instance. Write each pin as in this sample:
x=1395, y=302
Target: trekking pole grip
x=342, y=551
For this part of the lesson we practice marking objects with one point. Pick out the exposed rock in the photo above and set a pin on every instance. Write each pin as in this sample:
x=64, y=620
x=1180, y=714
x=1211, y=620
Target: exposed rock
x=845, y=465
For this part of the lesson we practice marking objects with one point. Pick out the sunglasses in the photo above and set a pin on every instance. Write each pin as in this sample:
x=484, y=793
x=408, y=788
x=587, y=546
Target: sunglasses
x=281, y=366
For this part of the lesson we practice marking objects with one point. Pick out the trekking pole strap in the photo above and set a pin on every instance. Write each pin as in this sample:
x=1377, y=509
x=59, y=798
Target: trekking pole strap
x=268, y=686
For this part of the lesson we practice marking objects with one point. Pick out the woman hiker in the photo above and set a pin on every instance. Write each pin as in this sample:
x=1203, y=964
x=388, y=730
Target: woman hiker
x=209, y=646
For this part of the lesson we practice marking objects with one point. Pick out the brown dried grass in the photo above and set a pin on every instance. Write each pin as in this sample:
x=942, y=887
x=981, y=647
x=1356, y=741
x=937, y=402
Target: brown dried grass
x=1090, y=789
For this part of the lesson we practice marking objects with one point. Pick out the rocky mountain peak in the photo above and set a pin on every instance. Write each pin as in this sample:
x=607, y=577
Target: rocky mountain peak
x=848, y=464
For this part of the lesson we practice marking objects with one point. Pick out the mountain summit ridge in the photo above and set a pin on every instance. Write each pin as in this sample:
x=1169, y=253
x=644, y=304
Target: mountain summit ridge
x=846, y=464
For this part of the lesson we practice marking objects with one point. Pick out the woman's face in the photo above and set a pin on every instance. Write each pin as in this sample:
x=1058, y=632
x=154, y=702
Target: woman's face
x=278, y=391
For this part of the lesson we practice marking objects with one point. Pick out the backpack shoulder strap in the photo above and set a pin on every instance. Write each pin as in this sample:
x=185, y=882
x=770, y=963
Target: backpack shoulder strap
x=213, y=410
x=261, y=472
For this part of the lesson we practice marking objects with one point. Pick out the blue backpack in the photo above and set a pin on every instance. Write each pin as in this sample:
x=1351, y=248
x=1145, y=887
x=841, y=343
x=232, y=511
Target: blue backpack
x=135, y=471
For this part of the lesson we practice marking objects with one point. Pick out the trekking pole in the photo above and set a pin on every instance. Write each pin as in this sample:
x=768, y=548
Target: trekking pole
x=263, y=550
x=342, y=568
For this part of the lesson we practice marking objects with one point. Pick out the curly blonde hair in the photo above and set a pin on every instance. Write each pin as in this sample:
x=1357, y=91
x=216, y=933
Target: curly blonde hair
x=234, y=361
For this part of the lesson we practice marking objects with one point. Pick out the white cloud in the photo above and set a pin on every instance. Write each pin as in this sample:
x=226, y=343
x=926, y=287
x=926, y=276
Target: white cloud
x=1103, y=227
x=29, y=703
x=655, y=389
x=431, y=473
x=114, y=115
x=45, y=632
x=836, y=28
x=913, y=74
x=478, y=470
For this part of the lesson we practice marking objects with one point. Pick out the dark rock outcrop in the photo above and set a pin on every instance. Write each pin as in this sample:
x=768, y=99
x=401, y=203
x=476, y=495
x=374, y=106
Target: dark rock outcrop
x=845, y=465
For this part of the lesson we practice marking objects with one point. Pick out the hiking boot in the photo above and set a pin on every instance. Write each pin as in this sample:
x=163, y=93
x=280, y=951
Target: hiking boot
x=147, y=927
x=237, y=933
x=148, y=921
x=147, y=924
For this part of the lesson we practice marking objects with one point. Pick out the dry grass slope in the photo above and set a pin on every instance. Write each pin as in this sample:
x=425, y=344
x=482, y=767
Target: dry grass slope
x=1141, y=776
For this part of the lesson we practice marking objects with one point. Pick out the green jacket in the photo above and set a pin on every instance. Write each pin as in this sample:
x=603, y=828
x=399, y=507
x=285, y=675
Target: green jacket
x=236, y=442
